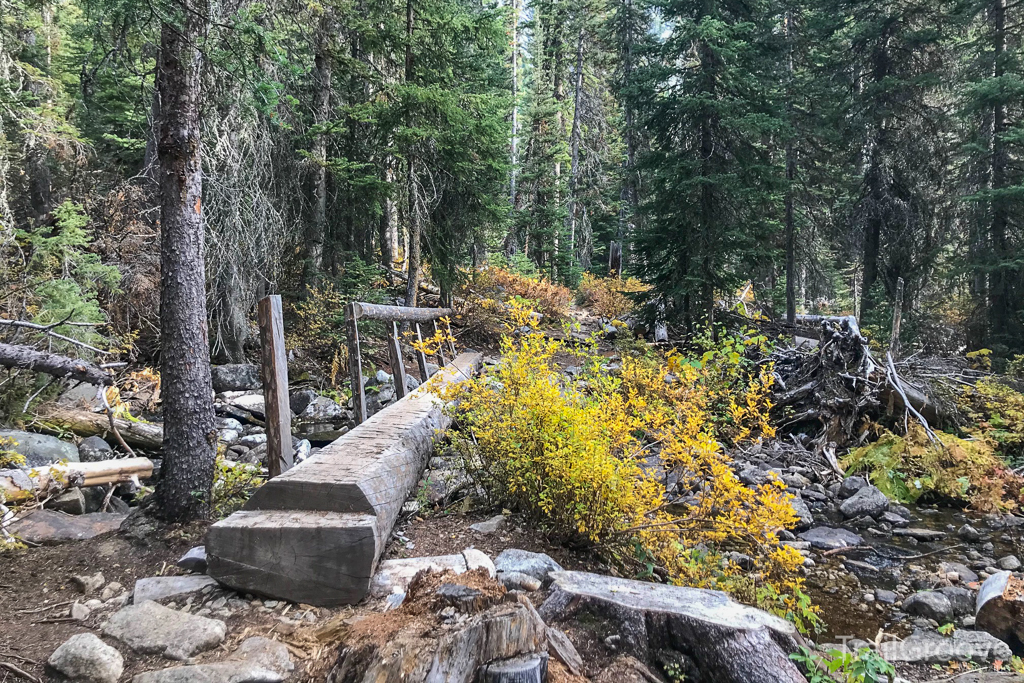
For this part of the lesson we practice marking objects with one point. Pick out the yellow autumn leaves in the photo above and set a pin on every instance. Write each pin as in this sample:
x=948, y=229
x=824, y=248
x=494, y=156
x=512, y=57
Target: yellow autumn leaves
x=589, y=457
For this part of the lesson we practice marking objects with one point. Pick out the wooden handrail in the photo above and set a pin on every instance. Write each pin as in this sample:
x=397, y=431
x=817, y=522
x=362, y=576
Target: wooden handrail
x=401, y=314
x=392, y=315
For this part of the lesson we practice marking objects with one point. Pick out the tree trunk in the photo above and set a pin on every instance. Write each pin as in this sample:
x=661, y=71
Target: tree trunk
x=999, y=303
x=575, y=135
x=322, y=112
x=790, y=181
x=412, y=182
x=189, y=443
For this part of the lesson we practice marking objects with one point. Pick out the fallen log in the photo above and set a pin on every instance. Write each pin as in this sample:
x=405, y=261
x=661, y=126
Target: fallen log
x=61, y=419
x=28, y=358
x=729, y=642
x=18, y=485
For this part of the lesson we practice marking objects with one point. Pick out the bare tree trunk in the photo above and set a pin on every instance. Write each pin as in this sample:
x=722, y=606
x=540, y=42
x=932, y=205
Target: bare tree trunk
x=575, y=142
x=322, y=112
x=189, y=443
x=790, y=180
x=414, y=214
x=999, y=304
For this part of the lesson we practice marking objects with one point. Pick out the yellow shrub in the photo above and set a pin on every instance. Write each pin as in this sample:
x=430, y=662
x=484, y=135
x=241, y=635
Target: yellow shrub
x=574, y=458
x=543, y=295
x=606, y=296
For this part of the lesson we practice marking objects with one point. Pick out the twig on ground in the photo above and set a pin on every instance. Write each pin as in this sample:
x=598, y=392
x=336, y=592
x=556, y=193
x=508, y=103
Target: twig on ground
x=933, y=552
x=19, y=672
x=46, y=608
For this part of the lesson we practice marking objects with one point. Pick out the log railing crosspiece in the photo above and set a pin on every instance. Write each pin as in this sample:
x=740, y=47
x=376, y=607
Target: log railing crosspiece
x=393, y=315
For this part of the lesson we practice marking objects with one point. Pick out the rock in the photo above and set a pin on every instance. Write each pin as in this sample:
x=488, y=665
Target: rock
x=537, y=565
x=85, y=658
x=1010, y=563
x=924, y=535
x=490, y=526
x=850, y=486
x=891, y=518
x=235, y=377
x=149, y=628
x=394, y=576
x=194, y=560
x=969, y=533
x=961, y=599
x=257, y=660
x=300, y=399
x=303, y=449
x=519, y=581
x=253, y=440
x=929, y=604
x=827, y=538
x=79, y=612
x=39, y=449
x=929, y=647
x=111, y=590
x=88, y=584
x=884, y=596
x=562, y=649
x=71, y=502
x=868, y=501
x=163, y=587
x=740, y=644
x=251, y=403
x=753, y=476
x=94, y=449
x=806, y=519
x=323, y=409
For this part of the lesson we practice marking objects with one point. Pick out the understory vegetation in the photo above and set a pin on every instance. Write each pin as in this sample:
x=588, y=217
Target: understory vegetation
x=590, y=457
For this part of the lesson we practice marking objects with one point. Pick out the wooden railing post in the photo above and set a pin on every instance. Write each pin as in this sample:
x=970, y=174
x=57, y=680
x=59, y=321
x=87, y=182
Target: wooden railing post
x=274, y=370
x=397, y=364
x=421, y=358
x=355, y=364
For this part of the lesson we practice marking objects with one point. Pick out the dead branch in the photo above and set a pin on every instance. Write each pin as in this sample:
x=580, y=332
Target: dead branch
x=48, y=330
x=28, y=358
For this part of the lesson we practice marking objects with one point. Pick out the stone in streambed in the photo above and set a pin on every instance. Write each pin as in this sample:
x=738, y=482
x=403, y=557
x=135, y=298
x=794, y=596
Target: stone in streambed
x=235, y=377
x=39, y=450
x=828, y=538
x=850, y=486
x=923, y=535
x=929, y=604
x=94, y=449
x=868, y=501
x=929, y=647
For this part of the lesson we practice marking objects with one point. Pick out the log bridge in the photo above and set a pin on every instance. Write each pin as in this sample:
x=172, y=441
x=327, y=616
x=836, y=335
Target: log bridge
x=315, y=533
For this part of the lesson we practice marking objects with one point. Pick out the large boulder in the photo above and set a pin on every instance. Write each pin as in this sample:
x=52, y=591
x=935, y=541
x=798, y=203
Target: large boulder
x=323, y=409
x=867, y=502
x=39, y=450
x=87, y=659
x=235, y=377
x=150, y=628
x=851, y=485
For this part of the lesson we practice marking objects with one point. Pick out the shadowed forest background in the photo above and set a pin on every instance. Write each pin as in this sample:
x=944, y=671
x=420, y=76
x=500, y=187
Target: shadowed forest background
x=819, y=150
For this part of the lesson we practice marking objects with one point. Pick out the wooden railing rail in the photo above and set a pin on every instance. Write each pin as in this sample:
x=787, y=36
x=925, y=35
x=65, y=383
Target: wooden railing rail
x=392, y=315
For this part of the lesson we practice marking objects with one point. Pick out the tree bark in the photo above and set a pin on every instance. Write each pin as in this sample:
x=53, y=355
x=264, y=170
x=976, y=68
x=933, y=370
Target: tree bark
x=189, y=443
x=790, y=181
x=574, y=136
x=412, y=182
x=17, y=356
x=322, y=111
x=999, y=304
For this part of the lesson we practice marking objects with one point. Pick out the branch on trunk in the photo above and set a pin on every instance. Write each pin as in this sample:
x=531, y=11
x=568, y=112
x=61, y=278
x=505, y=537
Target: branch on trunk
x=25, y=357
